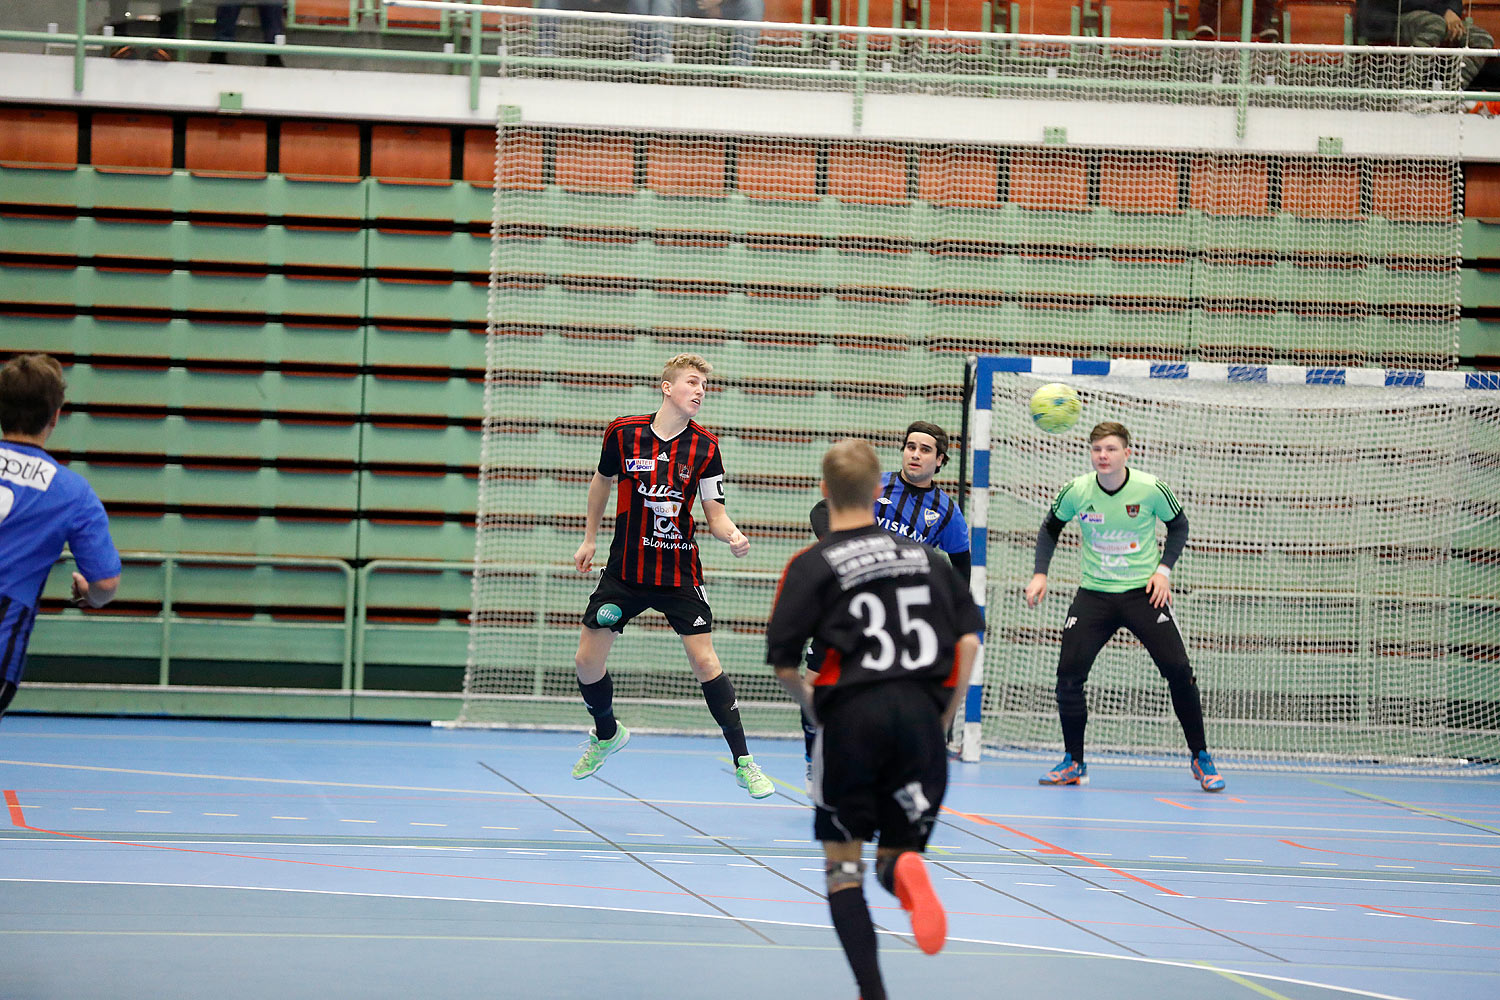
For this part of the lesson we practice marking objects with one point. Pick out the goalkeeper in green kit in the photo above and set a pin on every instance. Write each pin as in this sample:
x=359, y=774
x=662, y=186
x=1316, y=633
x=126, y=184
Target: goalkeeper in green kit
x=1126, y=584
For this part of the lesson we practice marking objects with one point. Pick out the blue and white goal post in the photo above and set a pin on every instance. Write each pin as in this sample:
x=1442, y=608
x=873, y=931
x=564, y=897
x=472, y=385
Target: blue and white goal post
x=1340, y=578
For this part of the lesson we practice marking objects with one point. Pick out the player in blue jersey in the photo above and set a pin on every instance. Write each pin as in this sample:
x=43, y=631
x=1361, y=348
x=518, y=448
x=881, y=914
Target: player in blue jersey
x=42, y=506
x=910, y=505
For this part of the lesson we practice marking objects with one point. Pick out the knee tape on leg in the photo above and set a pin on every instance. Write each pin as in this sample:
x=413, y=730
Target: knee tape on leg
x=844, y=875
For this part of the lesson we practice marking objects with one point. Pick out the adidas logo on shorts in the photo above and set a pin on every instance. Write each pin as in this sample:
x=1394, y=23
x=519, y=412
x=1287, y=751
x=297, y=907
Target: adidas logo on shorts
x=699, y=621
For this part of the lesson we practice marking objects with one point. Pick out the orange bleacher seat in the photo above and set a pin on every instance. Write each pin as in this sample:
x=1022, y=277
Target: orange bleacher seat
x=1319, y=22
x=1482, y=190
x=1047, y=180
x=780, y=170
x=1321, y=189
x=958, y=176
x=1136, y=19
x=1229, y=185
x=320, y=13
x=129, y=143
x=479, y=158
x=1484, y=13
x=595, y=164
x=1043, y=17
x=790, y=12
x=1411, y=192
x=42, y=139
x=522, y=164
x=500, y=22
x=323, y=151
x=1145, y=183
x=867, y=174
x=225, y=147
x=957, y=15
x=687, y=168
x=411, y=154
x=879, y=14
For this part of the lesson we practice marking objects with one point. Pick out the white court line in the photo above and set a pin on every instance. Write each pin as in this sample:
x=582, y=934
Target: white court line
x=85, y=809
x=1191, y=966
x=230, y=815
x=356, y=821
x=492, y=793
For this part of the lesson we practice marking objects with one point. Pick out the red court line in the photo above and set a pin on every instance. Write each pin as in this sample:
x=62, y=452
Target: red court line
x=1054, y=849
x=18, y=818
x=1179, y=805
x=1377, y=857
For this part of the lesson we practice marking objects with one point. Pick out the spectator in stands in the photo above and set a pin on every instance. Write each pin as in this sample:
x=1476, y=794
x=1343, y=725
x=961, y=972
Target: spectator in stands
x=1425, y=23
x=1262, y=21
x=272, y=27
x=743, y=51
x=653, y=43
x=168, y=25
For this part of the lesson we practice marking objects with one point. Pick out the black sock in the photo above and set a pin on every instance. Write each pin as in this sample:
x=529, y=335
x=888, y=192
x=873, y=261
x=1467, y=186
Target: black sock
x=1072, y=728
x=856, y=931
x=885, y=873
x=7, y=692
x=599, y=699
x=1188, y=706
x=719, y=693
x=809, y=733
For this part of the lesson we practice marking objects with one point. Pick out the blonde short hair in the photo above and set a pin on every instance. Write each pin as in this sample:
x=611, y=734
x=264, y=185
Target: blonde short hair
x=681, y=362
x=850, y=471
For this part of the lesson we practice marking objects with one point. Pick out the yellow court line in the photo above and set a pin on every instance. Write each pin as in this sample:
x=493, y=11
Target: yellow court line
x=1405, y=805
x=1269, y=994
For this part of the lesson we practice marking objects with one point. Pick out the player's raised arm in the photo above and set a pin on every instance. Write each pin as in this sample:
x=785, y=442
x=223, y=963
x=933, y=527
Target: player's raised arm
x=599, y=489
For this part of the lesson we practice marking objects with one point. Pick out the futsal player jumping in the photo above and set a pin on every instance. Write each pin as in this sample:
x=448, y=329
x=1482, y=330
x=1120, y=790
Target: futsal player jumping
x=900, y=632
x=1126, y=584
x=42, y=506
x=656, y=464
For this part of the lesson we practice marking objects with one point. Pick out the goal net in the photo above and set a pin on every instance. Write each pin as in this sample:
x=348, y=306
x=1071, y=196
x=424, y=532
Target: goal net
x=1338, y=594
x=858, y=214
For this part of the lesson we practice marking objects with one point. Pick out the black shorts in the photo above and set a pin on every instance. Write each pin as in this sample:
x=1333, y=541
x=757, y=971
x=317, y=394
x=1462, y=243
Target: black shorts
x=686, y=608
x=880, y=764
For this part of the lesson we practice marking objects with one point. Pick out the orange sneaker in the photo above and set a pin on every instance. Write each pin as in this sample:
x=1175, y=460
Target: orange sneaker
x=929, y=924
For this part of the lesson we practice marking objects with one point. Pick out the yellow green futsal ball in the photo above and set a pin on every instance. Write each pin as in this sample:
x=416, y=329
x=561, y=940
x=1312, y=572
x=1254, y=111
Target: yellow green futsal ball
x=1055, y=407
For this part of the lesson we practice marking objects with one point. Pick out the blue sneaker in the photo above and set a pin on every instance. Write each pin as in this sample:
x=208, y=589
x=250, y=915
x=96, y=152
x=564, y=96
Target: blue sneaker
x=1069, y=772
x=1206, y=773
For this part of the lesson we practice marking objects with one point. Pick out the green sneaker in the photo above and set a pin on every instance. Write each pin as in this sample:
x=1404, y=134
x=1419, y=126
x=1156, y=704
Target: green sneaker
x=750, y=776
x=593, y=757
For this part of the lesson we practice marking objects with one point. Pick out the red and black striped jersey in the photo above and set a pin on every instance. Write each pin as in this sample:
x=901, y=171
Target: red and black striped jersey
x=654, y=528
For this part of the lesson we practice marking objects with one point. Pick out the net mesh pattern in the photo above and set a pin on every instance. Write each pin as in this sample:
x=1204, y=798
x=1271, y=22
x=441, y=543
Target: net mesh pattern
x=838, y=284
x=1338, y=594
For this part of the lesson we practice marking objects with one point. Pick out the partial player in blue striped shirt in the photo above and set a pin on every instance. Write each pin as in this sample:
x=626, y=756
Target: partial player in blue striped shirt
x=42, y=506
x=910, y=505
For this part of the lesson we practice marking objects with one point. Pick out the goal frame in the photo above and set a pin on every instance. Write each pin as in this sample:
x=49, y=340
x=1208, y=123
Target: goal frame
x=982, y=369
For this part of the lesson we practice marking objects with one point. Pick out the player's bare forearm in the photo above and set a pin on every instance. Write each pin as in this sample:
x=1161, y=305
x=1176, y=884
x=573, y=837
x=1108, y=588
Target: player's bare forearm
x=722, y=528
x=792, y=680
x=599, y=488
x=96, y=594
x=965, y=651
x=1036, y=590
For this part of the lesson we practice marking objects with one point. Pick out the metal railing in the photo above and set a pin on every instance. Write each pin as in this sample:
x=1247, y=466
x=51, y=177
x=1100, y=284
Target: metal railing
x=856, y=74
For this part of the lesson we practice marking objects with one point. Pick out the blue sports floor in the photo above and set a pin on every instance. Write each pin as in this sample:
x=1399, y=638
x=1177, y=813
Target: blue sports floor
x=163, y=859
